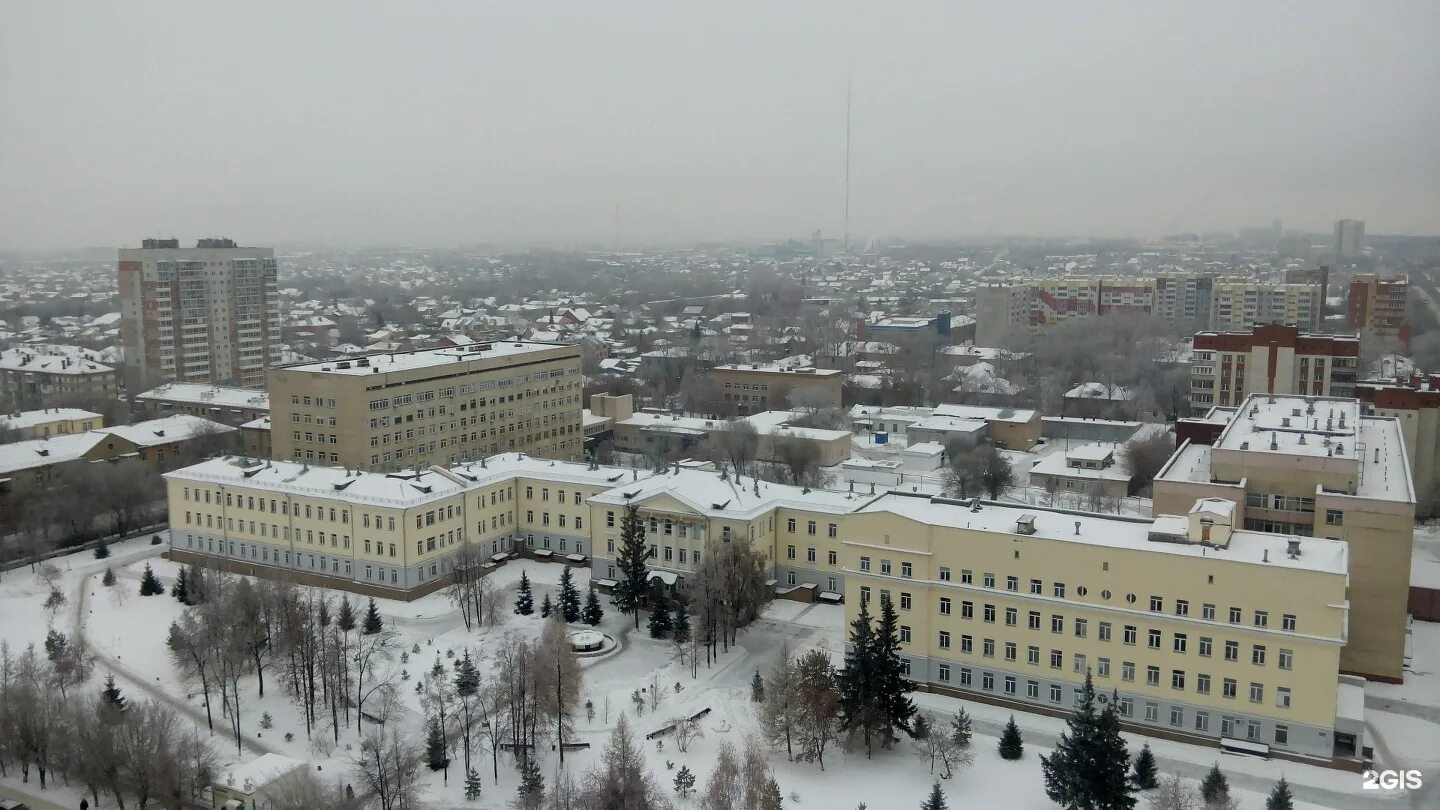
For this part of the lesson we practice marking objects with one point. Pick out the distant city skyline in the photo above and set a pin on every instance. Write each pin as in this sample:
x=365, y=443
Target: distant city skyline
x=649, y=123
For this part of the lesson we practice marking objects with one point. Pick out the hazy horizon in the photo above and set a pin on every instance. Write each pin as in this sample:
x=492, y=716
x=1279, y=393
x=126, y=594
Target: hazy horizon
x=460, y=123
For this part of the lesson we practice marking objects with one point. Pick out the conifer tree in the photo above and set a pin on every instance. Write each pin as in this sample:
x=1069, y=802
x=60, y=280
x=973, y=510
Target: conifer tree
x=936, y=801
x=109, y=578
x=855, y=680
x=1145, y=775
x=569, y=597
x=1089, y=766
x=680, y=623
x=472, y=785
x=757, y=688
x=659, y=613
x=102, y=549
x=532, y=783
x=1011, y=746
x=112, y=696
x=178, y=590
x=524, y=600
x=546, y=607
x=373, y=624
x=961, y=728
x=149, y=583
x=1280, y=798
x=467, y=685
x=684, y=782
x=630, y=558
x=1215, y=788
x=893, y=688
x=435, y=754
x=592, y=613
x=346, y=618
x=770, y=797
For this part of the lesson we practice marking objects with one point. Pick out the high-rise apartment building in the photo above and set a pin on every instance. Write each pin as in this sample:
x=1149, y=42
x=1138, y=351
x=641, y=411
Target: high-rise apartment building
x=1349, y=238
x=1240, y=304
x=1227, y=367
x=437, y=406
x=1377, y=305
x=1315, y=467
x=207, y=314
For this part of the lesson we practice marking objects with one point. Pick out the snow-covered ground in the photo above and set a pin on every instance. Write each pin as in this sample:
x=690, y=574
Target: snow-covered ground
x=127, y=634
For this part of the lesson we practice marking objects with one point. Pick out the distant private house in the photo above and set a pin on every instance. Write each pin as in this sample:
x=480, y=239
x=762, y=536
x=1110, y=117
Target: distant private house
x=1085, y=468
x=1099, y=401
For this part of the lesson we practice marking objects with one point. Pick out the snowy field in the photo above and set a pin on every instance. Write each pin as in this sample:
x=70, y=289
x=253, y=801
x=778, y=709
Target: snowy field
x=127, y=635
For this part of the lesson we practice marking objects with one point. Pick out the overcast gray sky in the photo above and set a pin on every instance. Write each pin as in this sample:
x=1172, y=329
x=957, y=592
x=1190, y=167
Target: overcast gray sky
x=441, y=122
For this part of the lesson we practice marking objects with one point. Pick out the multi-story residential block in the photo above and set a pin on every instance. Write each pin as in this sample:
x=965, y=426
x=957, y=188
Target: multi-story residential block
x=49, y=422
x=1240, y=304
x=1414, y=402
x=1349, y=238
x=54, y=376
x=1240, y=639
x=1203, y=300
x=233, y=406
x=436, y=406
x=1316, y=467
x=1227, y=367
x=207, y=314
x=1377, y=305
x=754, y=387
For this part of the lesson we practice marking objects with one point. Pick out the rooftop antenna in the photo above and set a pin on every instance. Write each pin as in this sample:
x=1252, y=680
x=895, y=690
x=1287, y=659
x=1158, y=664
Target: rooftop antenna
x=848, y=86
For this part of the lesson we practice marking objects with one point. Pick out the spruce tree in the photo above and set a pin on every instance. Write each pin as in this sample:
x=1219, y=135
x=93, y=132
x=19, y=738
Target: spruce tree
x=1011, y=746
x=178, y=590
x=854, y=681
x=1215, y=788
x=770, y=797
x=1145, y=775
x=346, y=618
x=1280, y=798
x=109, y=578
x=592, y=613
x=659, y=613
x=102, y=549
x=112, y=696
x=546, y=607
x=532, y=783
x=893, y=688
x=936, y=801
x=961, y=729
x=757, y=688
x=373, y=624
x=569, y=597
x=630, y=558
x=1089, y=766
x=680, y=623
x=149, y=583
x=524, y=599
x=436, y=757
x=472, y=785
x=684, y=782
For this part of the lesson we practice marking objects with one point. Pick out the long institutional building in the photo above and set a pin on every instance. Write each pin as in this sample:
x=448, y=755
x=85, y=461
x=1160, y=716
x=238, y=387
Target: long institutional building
x=409, y=410
x=1205, y=300
x=1231, y=616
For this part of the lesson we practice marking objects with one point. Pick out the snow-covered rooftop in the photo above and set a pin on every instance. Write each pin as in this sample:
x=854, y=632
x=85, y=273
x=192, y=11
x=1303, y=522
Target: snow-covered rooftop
x=51, y=360
x=1256, y=548
x=986, y=413
x=199, y=394
x=29, y=419
x=173, y=428
x=427, y=358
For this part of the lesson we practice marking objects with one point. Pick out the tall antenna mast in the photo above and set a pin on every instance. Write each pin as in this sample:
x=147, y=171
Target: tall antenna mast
x=848, y=82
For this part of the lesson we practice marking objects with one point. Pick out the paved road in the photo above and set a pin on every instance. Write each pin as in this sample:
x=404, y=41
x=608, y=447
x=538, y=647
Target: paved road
x=31, y=800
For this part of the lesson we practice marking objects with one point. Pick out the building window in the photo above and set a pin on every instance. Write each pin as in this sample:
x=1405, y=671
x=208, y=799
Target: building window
x=1104, y=632
x=1262, y=618
x=1152, y=676
x=1129, y=636
x=944, y=606
x=1102, y=667
x=832, y=557
x=1059, y=590
x=906, y=570
x=904, y=601
x=1257, y=693
x=1282, y=697
x=1157, y=604
x=1202, y=684
x=1228, y=688
x=1177, y=679
x=1207, y=612
x=1232, y=651
x=1282, y=734
x=904, y=634
x=1257, y=655
x=1127, y=671
x=1287, y=659
x=1182, y=607
x=1179, y=643
x=1081, y=628
x=944, y=570
x=942, y=673
x=1152, y=639
x=944, y=639
x=1202, y=721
